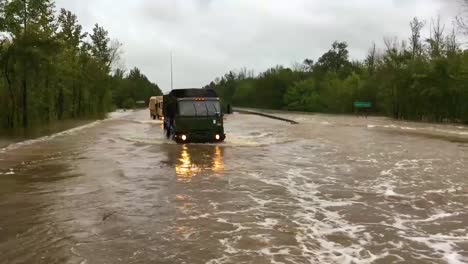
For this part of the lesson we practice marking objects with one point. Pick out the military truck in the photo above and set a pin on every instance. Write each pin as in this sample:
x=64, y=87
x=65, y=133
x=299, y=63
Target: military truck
x=155, y=106
x=193, y=115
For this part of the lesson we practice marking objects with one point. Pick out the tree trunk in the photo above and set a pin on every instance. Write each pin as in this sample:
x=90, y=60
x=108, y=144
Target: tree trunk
x=60, y=104
x=48, y=117
x=11, y=122
x=73, y=111
x=78, y=110
x=25, y=101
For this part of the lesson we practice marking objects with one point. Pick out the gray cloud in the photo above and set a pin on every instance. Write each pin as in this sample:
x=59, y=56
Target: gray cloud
x=210, y=37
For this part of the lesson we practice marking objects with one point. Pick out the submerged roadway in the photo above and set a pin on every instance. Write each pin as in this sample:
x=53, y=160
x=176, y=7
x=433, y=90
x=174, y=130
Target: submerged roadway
x=331, y=189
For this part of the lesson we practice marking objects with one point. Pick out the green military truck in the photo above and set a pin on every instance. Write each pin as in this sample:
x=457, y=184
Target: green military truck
x=193, y=115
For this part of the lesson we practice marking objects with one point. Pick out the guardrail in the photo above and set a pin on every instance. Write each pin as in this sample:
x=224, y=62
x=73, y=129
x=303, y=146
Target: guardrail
x=250, y=112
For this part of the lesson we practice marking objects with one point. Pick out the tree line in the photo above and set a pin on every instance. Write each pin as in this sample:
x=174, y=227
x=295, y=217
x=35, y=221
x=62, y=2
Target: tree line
x=415, y=79
x=50, y=69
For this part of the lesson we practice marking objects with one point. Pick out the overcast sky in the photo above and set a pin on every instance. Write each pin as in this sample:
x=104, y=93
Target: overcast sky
x=210, y=37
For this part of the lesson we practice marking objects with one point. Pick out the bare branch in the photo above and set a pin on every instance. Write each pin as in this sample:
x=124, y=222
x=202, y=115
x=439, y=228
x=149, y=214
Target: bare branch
x=116, y=52
x=462, y=18
x=391, y=43
x=415, y=40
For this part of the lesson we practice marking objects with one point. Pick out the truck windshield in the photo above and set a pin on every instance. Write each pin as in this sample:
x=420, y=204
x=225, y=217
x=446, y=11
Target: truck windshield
x=199, y=108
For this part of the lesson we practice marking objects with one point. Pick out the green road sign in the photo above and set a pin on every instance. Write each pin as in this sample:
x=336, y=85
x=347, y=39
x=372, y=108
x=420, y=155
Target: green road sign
x=362, y=104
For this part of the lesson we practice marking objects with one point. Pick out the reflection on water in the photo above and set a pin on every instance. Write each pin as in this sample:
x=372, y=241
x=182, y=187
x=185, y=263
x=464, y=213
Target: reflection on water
x=185, y=169
x=218, y=165
x=194, y=160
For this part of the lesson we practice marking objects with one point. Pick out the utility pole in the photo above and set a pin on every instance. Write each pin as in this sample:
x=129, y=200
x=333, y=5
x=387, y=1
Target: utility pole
x=172, y=80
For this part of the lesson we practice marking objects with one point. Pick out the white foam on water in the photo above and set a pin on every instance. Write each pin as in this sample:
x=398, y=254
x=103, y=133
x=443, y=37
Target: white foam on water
x=408, y=128
x=207, y=215
x=386, y=173
x=390, y=192
x=119, y=114
x=229, y=249
x=261, y=202
x=459, y=130
x=269, y=223
x=313, y=232
x=431, y=218
x=464, y=230
x=256, y=139
x=312, y=229
x=407, y=164
x=455, y=258
x=148, y=141
x=236, y=141
x=368, y=161
x=444, y=246
x=8, y=172
x=266, y=239
x=453, y=132
x=239, y=227
x=154, y=122
x=268, y=252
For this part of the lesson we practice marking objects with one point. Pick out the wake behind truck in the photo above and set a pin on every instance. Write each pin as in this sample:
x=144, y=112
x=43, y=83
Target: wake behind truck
x=193, y=115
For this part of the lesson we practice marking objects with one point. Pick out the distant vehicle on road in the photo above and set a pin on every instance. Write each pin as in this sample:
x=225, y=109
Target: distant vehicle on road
x=156, y=107
x=193, y=115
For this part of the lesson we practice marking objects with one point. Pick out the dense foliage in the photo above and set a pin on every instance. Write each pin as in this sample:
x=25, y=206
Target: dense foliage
x=416, y=80
x=50, y=69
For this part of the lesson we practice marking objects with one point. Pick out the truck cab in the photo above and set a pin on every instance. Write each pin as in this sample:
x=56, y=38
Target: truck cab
x=193, y=115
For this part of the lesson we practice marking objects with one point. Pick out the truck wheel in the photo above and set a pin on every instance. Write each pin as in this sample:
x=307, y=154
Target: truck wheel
x=154, y=117
x=168, y=132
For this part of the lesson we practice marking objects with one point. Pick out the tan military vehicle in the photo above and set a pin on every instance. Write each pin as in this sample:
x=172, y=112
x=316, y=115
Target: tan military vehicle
x=156, y=107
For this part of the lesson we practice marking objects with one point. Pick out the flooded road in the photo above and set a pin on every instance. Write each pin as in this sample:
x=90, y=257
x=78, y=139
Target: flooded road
x=332, y=189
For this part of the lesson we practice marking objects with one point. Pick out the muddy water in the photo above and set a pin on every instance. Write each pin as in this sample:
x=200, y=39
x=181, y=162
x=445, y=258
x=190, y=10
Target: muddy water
x=329, y=190
x=38, y=131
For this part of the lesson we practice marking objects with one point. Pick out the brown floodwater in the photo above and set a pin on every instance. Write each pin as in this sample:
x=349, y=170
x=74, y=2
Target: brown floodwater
x=8, y=137
x=333, y=189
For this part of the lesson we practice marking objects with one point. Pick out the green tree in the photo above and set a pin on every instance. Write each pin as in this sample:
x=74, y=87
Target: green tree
x=426, y=80
x=48, y=71
x=303, y=96
x=336, y=60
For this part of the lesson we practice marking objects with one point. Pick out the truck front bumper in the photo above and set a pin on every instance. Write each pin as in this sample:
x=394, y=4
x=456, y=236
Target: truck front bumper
x=194, y=137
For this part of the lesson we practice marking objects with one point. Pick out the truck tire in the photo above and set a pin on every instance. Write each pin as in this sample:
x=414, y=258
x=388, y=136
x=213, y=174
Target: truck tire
x=168, y=132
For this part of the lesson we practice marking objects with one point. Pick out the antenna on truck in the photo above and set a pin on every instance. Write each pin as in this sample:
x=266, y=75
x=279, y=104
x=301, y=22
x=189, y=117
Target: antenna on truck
x=172, y=80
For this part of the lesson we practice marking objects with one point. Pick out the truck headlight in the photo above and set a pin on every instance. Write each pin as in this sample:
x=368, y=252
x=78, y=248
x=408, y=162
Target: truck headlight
x=218, y=137
x=184, y=137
